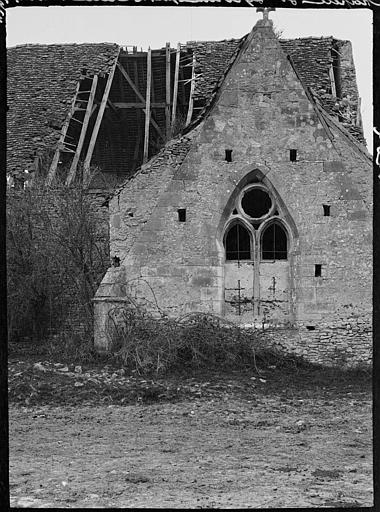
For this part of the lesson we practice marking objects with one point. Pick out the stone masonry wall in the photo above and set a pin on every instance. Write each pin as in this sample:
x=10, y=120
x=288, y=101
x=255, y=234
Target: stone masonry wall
x=261, y=113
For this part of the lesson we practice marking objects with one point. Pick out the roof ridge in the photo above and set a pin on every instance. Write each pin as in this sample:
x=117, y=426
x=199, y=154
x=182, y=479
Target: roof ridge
x=215, y=40
x=44, y=45
x=308, y=37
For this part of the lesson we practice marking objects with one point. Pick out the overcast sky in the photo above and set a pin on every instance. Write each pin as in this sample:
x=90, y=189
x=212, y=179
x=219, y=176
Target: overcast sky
x=154, y=26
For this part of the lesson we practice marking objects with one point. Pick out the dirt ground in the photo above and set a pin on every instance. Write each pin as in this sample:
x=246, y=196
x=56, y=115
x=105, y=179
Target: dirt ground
x=242, y=444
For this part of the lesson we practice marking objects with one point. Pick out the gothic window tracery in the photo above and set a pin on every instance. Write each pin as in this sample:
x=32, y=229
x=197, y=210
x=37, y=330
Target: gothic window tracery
x=256, y=222
x=238, y=243
x=274, y=242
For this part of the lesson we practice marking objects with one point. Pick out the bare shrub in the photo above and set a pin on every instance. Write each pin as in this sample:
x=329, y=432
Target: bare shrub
x=56, y=257
x=198, y=340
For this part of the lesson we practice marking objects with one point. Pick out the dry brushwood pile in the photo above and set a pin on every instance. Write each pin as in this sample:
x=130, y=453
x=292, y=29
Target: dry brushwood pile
x=195, y=340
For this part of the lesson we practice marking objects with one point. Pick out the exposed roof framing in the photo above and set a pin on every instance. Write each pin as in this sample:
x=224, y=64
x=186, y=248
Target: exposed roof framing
x=60, y=146
x=147, y=105
x=42, y=82
x=86, y=120
x=184, y=84
x=140, y=96
x=95, y=131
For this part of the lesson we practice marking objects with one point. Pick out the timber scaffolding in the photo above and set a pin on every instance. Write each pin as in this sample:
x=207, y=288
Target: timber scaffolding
x=118, y=120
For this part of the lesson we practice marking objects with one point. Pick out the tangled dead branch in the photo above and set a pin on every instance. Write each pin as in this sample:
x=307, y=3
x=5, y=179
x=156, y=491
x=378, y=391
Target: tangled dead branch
x=196, y=340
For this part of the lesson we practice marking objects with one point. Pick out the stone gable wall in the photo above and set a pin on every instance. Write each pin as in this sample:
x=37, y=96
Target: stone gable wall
x=262, y=112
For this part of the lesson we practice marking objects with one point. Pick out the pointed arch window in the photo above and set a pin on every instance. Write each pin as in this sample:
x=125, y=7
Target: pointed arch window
x=274, y=242
x=238, y=243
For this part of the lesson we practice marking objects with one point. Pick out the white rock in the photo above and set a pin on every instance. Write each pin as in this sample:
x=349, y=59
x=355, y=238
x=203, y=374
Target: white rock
x=40, y=366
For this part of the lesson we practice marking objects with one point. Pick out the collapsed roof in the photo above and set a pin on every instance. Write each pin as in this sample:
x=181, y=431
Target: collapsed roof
x=49, y=86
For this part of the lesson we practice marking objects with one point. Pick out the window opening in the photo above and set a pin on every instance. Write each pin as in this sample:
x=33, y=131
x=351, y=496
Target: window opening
x=310, y=327
x=234, y=212
x=256, y=202
x=116, y=261
x=228, y=157
x=293, y=155
x=326, y=210
x=274, y=243
x=318, y=270
x=238, y=243
x=182, y=214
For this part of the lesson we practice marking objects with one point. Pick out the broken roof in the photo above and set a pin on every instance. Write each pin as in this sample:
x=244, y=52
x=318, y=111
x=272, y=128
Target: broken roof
x=42, y=80
x=41, y=84
x=314, y=59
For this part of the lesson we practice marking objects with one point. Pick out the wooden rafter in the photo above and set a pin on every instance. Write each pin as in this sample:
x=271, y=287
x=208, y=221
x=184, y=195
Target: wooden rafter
x=180, y=84
x=130, y=81
x=332, y=80
x=358, y=120
x=167, y=89
x=138, y=105
x=95, y=131
x=140, y=96
x=191, y=98
x=113, y=106
x=74, y=163
x=138, y=120
x=94, y=107
x=53, y=166
x=175, y=87
x=147, y=105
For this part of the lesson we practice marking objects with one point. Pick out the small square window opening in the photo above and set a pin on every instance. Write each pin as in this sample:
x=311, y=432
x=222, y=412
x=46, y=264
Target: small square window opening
x=228, y=157
x=182, y=214
x=116, y=261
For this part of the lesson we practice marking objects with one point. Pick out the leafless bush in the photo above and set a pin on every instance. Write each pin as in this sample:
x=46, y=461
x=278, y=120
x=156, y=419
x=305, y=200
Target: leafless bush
x=55, y=259
x=197, y=340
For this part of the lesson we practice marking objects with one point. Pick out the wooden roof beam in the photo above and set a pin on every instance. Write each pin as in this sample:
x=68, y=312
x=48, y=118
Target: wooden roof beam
x=74, y=163
x=95, y=131
x=191, y=98
x=113, y=107
x=175, y=88
x=167, y=90
x=147, y=109
x=53, y=166
x=121, y=105
x=140, y=96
